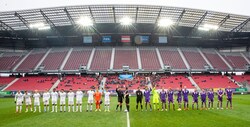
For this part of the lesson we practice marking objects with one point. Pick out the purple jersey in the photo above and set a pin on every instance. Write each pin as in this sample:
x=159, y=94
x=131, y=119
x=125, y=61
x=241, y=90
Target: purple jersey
x=195, y=96
x=170, y=95
x=229, y=93
x=147, y=95
x=210, y=95
x=185, y=95
x=179, y=94
x=220, y=94
x=203, y=96
x=163, y=95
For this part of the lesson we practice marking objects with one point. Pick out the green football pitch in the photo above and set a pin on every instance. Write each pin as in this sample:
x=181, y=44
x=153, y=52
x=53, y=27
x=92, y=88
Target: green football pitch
x=239, y=116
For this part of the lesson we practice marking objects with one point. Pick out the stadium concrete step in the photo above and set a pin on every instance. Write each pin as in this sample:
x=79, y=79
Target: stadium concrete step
x=205, y=58
x=55, y=85
x=11, y=83
x=103, y=83
x=229, y=66
x=66, y=59
x=183, y=58
x=194, y=83
x=237, y=83
x=91, y=58
x=245, y=58
x=149, y=84
x=159, y=58
x=41, y=61
x=22, y=60
x=112, y=59
x=139, y=58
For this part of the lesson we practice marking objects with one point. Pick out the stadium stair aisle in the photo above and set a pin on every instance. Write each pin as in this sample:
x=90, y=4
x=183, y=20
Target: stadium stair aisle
x=11, y=83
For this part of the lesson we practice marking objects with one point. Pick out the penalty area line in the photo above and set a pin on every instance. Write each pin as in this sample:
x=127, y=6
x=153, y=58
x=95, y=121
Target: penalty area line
x=128, y=120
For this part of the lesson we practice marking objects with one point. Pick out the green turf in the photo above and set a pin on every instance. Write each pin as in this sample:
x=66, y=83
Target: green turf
x=239, y=116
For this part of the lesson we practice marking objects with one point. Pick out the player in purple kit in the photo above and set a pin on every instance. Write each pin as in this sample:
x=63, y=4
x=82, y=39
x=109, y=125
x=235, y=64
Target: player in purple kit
x=203, y=99
x=210, y=95
x=147, y=98
x=171, y=98
x=229, y=93
x=179, y=94
x=163, y=95
x=220, y=94
x=195, y=96
x=185, y=93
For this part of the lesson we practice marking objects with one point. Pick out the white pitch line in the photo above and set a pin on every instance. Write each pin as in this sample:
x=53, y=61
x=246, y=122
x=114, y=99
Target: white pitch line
x=128, y=121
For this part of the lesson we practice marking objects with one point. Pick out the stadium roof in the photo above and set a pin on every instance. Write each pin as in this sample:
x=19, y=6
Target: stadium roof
x=69, y=15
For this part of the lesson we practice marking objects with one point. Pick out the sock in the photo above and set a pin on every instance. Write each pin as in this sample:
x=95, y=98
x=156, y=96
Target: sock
x=87, y=107
x=16, y=108
x=117, y=106
x=20, y=108
x=173, y=106
x=150, y=106
x=64, y=108
x=108, y=107
x=56, y=108
x=80, y=108
x=53, y=108
x=154, y=106
x=146, y=106
x=76, y=108
x=44, y=108
x=120, y=107
x=31, y=109
x=127, y=107
x=73, y=108
x=48, y=109
x=35, y=108
x=136, y=107
x=60, y=108
x=141, y=107
x=39, y=108
x=91, y=107
x=69, y=108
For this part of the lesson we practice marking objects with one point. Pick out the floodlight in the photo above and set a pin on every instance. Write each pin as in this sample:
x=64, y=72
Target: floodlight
x=203, y=29
x=126, y=21
x=85, y=21
x=210, y=26
x=165, y=22
x=36, y=25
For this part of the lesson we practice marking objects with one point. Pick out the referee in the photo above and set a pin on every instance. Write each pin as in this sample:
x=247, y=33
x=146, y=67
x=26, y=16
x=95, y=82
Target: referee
x=139, y=97
x=127, y=99
x=120, y=98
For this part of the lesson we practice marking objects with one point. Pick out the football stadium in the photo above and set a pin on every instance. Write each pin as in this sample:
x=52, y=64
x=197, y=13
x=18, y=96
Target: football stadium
x=124, y=63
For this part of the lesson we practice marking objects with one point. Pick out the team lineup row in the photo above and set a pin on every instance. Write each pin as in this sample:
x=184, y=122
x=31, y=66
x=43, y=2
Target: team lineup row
x=163, y=96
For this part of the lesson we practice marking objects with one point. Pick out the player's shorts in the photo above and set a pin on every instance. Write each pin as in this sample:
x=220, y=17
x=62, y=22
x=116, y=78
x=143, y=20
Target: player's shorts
x=220, y=99
x=120, y=100
x=178, y=100
x=147, y=100
x=107, y=102
x=155, y=100
x=127, y=101
x=211, y=100
x=70, y=102
x=28, y=102
x=90, y=101
x=36, y=103
x=19, y=103
x=203, y=100
x=46, y=102
x=78, y=101
x=229, y=99
x=163, y=100
x=185, y=99
x=97, y=101
x=62, y=102
x=195, y=100
x=138, y=100
x=171, y=100
x=54, y=102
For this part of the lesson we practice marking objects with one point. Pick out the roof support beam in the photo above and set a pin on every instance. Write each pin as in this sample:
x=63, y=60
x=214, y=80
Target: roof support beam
x=136, y=14
x=158, y=16
x=113, y=8
x=8, y=29
x=180, y=17
x=69, y=17
x=25, y=22
x=52, y=25
x=91, y=14
x=240, y=26
x=223, y=20
x=200, y=20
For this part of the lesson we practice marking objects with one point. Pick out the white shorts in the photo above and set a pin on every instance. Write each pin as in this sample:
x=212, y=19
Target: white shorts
x=46, y=102
x=28, y=102
x=19, y=103
x=90, y=101
x=36, y=103
x=78, y=101
x=70, y=102
x=62, y=102
x=107, y=102
x=54, y=102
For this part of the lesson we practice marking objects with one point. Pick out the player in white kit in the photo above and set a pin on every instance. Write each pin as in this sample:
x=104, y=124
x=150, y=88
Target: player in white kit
x=54, y=98
x=19, y=101
x=71, y=96
x=62, y=95
x=46, y=97
x=79, y=96
x=107, y=100
x=90, y=100
x=36, y=97
x=27, y=97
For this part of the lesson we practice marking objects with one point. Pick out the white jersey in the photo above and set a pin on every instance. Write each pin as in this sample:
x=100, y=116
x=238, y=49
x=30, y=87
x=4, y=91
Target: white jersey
x=107, y=95
x=54, y=96
x=71, y=96
x=19, y=97
x=36, y=97
x=27, y=97
x=46, y=96
x=90, y=95
x=79, y=95
x=62, y=96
